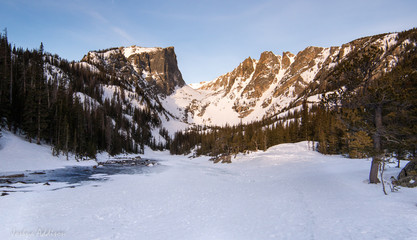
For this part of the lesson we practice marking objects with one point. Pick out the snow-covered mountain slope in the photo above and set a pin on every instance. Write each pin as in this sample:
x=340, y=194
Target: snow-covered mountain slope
x=124, y=88
x=262, y=88
x=287, y=192
x=143, y=78
x=149, y=78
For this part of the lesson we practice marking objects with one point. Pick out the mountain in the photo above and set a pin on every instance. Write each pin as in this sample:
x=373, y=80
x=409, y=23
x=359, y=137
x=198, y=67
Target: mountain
x=154, y=69
x=254, y=90
x=120, y=99
x=151, y=73
x=109, y=101
x=258, y=89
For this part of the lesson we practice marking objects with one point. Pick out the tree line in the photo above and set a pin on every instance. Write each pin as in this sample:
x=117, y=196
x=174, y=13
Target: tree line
x=307, y=123
x=50, y=100
x=360, y=115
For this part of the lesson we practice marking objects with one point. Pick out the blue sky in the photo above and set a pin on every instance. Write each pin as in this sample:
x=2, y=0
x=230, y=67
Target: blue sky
x=210, y=37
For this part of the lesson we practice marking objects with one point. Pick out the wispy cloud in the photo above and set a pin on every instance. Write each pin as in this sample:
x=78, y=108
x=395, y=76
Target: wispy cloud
x=100, y=19
x=214, y=12
x=122, y=33
x=96, y=16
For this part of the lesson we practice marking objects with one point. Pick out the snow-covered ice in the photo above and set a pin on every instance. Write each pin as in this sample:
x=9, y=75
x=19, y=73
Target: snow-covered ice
x=287, y=192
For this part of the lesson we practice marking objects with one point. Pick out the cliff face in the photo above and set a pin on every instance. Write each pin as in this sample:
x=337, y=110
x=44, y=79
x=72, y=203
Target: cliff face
x=158, y=66
x=155, y=69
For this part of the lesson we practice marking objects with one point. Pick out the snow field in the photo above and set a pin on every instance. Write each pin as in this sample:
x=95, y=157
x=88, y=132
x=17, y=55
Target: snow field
x=287, y=192
x=16, y=154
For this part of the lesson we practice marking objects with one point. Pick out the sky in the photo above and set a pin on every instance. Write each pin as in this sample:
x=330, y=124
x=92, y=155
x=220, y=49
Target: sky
x=211, y=37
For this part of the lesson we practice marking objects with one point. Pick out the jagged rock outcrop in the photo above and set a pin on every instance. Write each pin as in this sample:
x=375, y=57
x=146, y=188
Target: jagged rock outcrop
x=297, y=76
x=227, y=81
x=267, y=68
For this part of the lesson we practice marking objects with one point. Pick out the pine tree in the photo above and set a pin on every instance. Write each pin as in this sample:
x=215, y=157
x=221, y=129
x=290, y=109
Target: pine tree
x=360, y=145
x=305, y=128
x=5, y=63
x=40, y=95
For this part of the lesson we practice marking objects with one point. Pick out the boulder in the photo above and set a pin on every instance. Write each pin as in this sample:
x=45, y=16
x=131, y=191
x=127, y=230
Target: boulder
x=408, y=175
x=223, y=159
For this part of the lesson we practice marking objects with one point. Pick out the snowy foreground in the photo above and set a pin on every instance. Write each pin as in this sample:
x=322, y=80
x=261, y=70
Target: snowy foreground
x=287, y=192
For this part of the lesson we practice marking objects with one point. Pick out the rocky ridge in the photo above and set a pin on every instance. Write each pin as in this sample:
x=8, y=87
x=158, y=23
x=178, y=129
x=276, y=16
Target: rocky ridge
x=262, y=88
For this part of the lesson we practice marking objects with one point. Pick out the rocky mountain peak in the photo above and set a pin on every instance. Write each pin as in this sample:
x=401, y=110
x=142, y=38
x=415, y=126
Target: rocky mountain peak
x=246, y=68
x=157, y=67
x=268, y=66
x=305, y=58
x=227, y=81
x=287, y=59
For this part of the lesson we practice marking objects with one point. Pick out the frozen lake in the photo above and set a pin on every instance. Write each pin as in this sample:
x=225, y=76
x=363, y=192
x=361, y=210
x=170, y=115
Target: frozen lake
x=74, y=175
